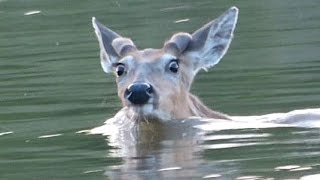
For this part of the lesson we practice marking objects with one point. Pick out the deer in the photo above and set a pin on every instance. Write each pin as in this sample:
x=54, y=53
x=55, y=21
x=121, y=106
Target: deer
x=154, y=84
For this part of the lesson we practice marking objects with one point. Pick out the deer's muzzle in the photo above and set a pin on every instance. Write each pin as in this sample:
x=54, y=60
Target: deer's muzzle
x=139, y=93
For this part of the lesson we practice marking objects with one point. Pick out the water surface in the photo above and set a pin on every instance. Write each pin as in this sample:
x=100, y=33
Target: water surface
x=52, y=86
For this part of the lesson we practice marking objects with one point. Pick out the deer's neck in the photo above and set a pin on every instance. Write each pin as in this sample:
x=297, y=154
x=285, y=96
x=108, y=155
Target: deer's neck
x=197, y=108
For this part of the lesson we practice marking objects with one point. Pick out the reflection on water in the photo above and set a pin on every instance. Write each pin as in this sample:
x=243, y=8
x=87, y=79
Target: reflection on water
x=177, y=149
x=229, y=157
x=51, y=86
x=161, y=151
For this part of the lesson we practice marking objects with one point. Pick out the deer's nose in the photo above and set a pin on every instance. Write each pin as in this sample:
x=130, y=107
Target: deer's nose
x=139, y=93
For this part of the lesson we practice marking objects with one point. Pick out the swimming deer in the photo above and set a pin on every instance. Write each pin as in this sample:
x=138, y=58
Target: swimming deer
x=155, y=83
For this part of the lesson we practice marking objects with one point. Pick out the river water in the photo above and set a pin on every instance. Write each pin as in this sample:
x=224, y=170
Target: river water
x=52, y=86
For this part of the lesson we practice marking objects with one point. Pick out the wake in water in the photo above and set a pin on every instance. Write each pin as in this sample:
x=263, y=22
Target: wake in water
x=306, y=118
x=123, y=132
x=171, y=149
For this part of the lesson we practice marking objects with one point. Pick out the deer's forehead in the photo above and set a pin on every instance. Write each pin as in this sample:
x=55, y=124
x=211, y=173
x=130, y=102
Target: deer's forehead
x=148, y=56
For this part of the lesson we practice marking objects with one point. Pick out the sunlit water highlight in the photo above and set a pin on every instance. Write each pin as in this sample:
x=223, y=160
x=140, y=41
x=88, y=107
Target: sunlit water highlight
x=52, y=86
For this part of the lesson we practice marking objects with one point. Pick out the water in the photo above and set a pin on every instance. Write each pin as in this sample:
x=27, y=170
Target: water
x=52, y=86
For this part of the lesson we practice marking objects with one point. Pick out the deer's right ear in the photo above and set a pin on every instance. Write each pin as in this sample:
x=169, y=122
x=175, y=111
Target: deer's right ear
x=105, y=37
x=211, y=42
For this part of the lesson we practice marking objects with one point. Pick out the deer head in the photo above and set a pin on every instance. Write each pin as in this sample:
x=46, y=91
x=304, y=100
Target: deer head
x=155, y=83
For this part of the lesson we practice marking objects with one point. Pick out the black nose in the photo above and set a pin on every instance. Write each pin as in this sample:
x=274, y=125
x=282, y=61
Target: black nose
x=139, y=93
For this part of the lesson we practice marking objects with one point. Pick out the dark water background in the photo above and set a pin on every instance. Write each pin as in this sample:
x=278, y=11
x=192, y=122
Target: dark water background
x=51, y=83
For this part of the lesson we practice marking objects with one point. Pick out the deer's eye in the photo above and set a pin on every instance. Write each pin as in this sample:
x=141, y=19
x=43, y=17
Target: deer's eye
x=120, y=69
x=174, y=66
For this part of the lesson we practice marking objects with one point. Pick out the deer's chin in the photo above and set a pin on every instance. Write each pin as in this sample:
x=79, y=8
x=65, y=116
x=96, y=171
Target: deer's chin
x=148, y=111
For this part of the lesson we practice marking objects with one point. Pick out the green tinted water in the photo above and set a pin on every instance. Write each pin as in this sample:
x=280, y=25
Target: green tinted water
x=51, y=83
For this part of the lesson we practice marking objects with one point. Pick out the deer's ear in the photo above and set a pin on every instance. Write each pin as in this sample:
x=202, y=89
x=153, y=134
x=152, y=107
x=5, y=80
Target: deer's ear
x=112, y=45
x=178, y=43
x=105, y=37
x=211, y=42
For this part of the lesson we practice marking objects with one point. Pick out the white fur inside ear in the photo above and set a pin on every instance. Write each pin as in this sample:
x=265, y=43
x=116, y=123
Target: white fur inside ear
x=105, y=62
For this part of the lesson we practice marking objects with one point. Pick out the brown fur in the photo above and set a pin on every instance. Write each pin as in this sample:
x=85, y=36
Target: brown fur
x=170, y=98
x=199, y=109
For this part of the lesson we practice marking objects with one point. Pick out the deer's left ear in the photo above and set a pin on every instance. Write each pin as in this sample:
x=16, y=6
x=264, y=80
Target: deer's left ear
x=112, y=45
x=209, y=44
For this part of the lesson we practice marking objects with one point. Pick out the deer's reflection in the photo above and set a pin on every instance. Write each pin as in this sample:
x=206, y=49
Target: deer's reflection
x=153, y=149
